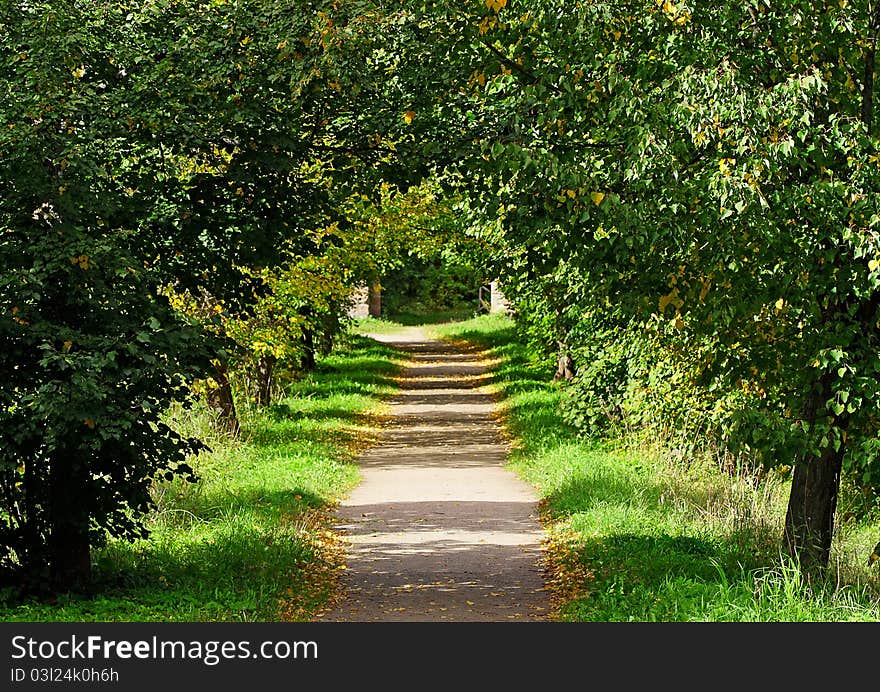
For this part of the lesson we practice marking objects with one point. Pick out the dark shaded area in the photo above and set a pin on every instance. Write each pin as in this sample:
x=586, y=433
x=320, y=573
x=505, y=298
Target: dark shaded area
x=421, y=517
x=223, y=569
x=430, y=290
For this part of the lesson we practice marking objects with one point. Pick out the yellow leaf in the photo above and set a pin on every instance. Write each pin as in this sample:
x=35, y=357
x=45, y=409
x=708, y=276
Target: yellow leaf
x=780, y=304
x=67, y=345
x=873, y=264
x=89, y=423
x=469, y=602
x=597, y=197
x=409, y=116
x=570, y=193
x=704, y=291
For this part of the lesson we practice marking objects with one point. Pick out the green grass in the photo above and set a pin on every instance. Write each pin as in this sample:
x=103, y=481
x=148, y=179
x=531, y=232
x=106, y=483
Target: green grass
x=414, y=318
x=376, y=325
x=250, y=540
x=429, y=317
x=635, y=536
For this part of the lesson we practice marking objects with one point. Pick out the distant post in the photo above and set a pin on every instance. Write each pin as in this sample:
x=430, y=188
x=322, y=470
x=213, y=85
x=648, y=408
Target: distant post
x=498, y=303
x=359, y=303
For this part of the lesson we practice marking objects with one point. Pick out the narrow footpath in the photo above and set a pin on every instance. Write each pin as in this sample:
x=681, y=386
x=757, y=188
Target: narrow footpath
x=438, y=529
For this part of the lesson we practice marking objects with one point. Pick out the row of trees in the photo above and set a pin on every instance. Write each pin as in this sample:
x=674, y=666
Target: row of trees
x=684, y=200
x=188, y=187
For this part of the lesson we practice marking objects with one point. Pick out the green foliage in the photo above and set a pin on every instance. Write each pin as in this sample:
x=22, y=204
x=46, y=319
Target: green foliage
x=150, y=152
x=86, y=330
x=681, y=199
x=707, y=171
x=423, y=286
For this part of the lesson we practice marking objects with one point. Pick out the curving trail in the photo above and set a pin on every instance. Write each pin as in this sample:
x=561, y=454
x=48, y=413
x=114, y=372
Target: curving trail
x=438, y=529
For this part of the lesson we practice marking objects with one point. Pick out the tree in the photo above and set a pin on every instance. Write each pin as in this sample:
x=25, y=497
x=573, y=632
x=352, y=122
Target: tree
x=87, y=331
x=149, y=152
x=710, y=171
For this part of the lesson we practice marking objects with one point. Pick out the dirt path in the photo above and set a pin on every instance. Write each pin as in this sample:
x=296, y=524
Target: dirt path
x=439, y=530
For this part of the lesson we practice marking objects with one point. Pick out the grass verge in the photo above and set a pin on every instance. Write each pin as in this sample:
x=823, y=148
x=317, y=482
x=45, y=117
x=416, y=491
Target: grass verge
x=635, y=536
x=250, y=541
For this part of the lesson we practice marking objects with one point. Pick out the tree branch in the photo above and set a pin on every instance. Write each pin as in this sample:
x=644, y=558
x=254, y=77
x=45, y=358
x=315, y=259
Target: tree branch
x=513, y=65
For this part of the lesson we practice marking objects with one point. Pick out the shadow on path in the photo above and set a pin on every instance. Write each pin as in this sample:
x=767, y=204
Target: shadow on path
x=439, y=529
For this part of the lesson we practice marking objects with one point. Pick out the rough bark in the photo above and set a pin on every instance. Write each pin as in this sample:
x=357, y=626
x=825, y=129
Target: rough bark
x=220, y=399
x=70, y=566
x=308, y=360
x=564, y=363
x=812, y=504
x=375, y=299
x=265, y=370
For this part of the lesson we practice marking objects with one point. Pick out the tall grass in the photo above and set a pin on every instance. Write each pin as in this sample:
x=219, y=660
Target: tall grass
x=250, y=540
x=635, y=534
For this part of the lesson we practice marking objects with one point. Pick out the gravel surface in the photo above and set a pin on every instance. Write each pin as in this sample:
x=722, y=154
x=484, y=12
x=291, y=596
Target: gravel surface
x=439, y=529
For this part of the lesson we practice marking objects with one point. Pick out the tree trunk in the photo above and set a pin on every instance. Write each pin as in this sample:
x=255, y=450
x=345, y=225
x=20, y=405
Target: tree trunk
x=220, y=399
x=812, y=502
x=70, y=565
x=809, y=521
x=375, y=299
x=265, y=369
x=308, y=360
x=564, y=363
